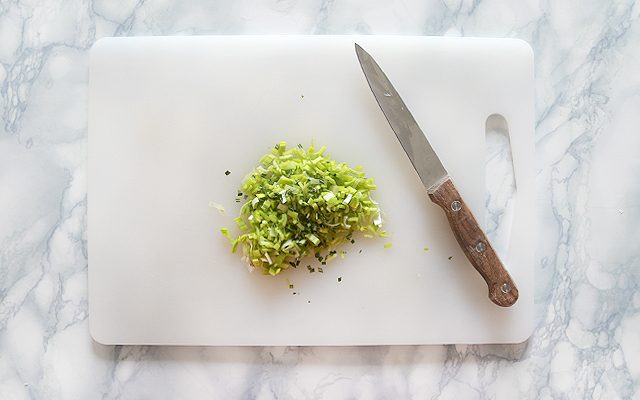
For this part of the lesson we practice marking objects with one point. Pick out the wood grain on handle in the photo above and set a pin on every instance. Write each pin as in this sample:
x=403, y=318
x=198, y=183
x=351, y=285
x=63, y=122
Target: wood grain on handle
x=474, y=243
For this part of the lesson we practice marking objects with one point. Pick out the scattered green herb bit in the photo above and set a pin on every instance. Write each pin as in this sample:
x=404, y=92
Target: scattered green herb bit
x=386, y=246
x=426, y=248
x=360, y=251
x=340, y=279
x=313, y=239
x=301, y=202
x=321, y=270
x=291, y=286
x=217, y=206
x=352, y=241
x=225, y=233
x=311, y=269
x=294, y=293
x=302, y=96
x=308, y=301
x=227, y=172
x=450, y=257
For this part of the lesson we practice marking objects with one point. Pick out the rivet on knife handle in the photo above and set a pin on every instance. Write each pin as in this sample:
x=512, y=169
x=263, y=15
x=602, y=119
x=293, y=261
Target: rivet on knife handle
x=474, y=243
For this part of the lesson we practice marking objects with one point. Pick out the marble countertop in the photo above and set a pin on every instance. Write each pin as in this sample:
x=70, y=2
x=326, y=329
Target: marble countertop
x=586, y=343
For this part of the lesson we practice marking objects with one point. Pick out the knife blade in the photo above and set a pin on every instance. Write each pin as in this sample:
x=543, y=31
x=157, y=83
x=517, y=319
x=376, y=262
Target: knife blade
x=440, y=187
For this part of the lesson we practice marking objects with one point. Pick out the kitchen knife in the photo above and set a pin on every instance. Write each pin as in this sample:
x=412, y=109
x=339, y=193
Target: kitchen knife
x=440, y=187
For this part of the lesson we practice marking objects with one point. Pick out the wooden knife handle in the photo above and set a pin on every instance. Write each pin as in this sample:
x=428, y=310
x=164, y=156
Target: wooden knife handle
x=474, y=243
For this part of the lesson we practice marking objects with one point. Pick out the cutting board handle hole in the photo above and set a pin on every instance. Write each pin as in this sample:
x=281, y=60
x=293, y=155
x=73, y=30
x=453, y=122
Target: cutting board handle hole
x=500, y=184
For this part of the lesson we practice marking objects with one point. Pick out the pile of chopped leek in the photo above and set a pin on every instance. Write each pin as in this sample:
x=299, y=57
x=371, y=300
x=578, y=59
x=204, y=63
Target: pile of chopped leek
x=300, y=202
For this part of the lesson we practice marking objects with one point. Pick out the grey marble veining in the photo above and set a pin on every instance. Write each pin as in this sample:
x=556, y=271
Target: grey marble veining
x=587, y=338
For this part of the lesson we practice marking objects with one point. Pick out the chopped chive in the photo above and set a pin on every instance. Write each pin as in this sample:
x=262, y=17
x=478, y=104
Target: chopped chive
x=340, y=279
x=386, y=246
x=352, y=241
x=360, y=251
x=450, y=257
x=426, y=248
x=320, y=270
x=227, y=172
x=225, y=233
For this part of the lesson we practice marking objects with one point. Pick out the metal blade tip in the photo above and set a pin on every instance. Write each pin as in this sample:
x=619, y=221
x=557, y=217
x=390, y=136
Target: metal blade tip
x=360, y=51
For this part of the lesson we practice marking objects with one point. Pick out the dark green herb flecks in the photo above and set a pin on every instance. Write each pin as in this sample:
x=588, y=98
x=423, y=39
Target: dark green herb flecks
x=301, y=202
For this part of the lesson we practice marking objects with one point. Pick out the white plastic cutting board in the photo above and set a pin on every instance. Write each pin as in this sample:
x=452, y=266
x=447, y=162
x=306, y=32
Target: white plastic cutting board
x=168, y=116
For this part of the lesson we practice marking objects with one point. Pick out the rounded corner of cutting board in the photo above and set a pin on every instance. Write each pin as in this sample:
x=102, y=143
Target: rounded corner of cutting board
x=523, y=336
x=525, y=47
x=98, y=47
x=98, y=336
